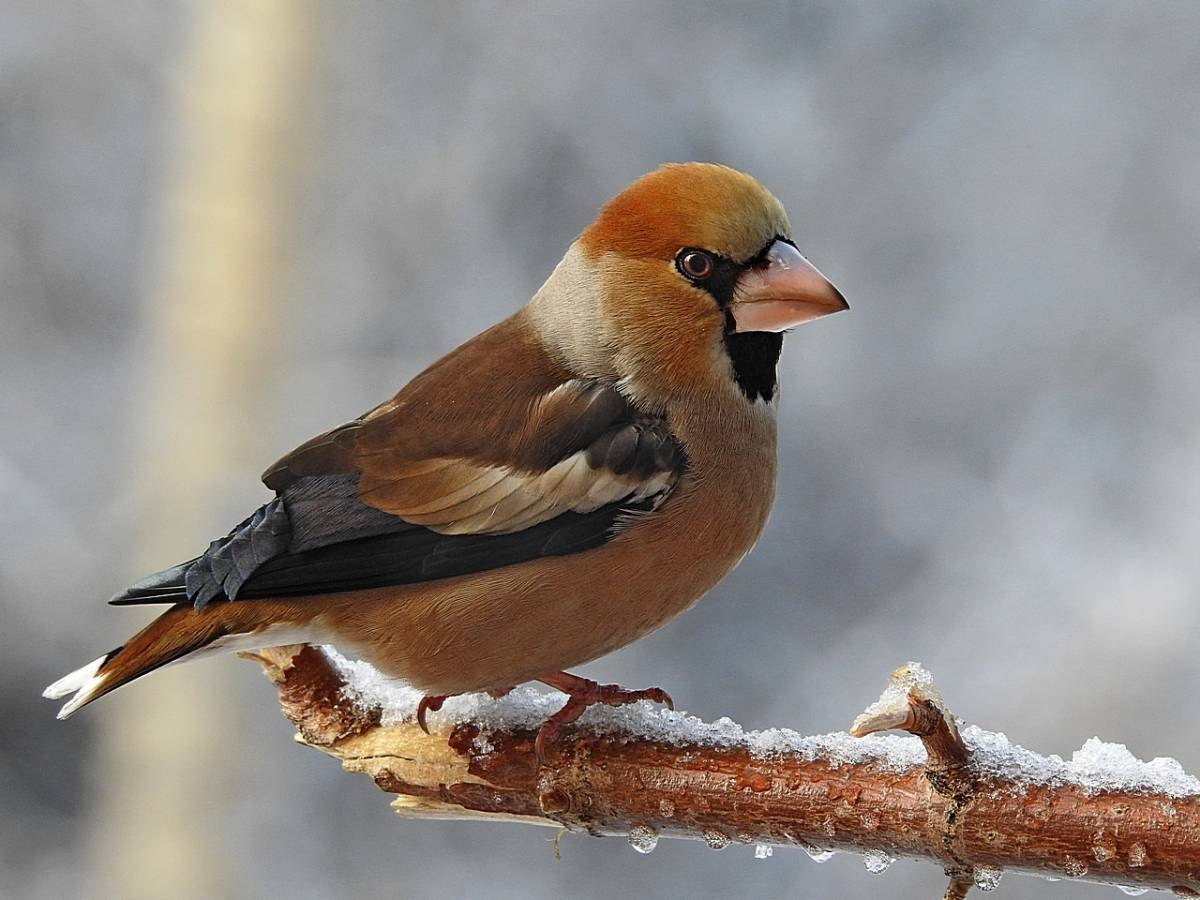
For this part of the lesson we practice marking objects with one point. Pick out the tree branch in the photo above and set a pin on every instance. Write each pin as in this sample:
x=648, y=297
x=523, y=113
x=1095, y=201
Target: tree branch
x=971, y=802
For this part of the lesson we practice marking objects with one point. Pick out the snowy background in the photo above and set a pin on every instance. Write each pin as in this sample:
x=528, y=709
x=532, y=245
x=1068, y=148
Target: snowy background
x=988, y=465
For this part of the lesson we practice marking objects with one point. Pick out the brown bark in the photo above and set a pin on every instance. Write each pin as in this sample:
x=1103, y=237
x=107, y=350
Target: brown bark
x=973, y=824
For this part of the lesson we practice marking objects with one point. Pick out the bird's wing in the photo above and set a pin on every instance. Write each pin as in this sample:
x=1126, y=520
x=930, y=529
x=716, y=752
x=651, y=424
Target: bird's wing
x=579, y=447
x=404, y=495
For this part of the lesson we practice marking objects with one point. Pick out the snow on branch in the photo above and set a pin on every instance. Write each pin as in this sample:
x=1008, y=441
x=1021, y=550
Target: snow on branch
x=964, y=798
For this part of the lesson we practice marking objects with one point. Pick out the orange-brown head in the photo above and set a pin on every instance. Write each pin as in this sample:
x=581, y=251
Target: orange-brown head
x=686, y=277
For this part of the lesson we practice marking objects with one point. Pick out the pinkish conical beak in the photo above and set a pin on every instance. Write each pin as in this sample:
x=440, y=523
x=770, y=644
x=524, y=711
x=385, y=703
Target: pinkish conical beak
x=786, y=290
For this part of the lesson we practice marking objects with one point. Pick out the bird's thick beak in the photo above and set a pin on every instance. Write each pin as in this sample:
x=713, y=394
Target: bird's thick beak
x=785, y=290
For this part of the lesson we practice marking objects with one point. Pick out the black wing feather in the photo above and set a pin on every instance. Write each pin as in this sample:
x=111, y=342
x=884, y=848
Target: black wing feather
x=408, y=555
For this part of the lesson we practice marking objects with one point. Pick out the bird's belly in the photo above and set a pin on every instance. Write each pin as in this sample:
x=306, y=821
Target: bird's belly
x=499, y=628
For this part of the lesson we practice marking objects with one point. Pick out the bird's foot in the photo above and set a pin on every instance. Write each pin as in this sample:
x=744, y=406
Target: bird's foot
x=582, y=693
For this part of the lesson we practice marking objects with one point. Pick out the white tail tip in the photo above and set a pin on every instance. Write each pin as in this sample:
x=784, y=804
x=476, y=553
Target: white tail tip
x=83, y=683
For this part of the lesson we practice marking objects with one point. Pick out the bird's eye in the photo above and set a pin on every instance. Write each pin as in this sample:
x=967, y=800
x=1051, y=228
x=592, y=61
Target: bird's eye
x=695, y=264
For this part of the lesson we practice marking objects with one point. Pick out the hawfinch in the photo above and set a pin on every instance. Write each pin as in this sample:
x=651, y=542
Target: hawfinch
x=555, y=488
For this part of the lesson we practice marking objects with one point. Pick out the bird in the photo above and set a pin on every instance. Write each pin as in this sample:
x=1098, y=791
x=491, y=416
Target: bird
x=557, y=487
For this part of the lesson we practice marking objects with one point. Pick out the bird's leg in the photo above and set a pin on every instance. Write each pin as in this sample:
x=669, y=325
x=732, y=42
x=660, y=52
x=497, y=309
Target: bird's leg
x=582, y=693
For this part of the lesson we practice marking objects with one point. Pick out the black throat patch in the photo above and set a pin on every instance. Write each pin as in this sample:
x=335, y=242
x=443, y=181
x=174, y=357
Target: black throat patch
x=755, y=356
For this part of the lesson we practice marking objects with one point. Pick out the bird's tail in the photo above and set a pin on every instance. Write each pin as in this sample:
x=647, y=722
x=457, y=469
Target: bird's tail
x=182, y=633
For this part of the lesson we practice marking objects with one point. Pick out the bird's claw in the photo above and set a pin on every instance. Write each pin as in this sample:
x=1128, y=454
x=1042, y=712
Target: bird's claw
x=434, y=703
x=621, y=696
x=582, y=693
x=428, y=703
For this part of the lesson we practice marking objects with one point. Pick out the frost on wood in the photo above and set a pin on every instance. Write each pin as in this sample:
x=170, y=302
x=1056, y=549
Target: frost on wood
x=965, y=798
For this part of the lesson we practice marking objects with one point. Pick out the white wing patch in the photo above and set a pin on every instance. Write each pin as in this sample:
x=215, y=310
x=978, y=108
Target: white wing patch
x=499, y=500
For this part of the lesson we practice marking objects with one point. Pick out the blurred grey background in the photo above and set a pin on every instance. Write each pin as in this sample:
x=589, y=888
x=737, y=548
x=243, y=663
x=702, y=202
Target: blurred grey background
x=989, y=465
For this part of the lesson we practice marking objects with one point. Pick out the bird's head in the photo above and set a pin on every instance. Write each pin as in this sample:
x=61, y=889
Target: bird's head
x=686, y=277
